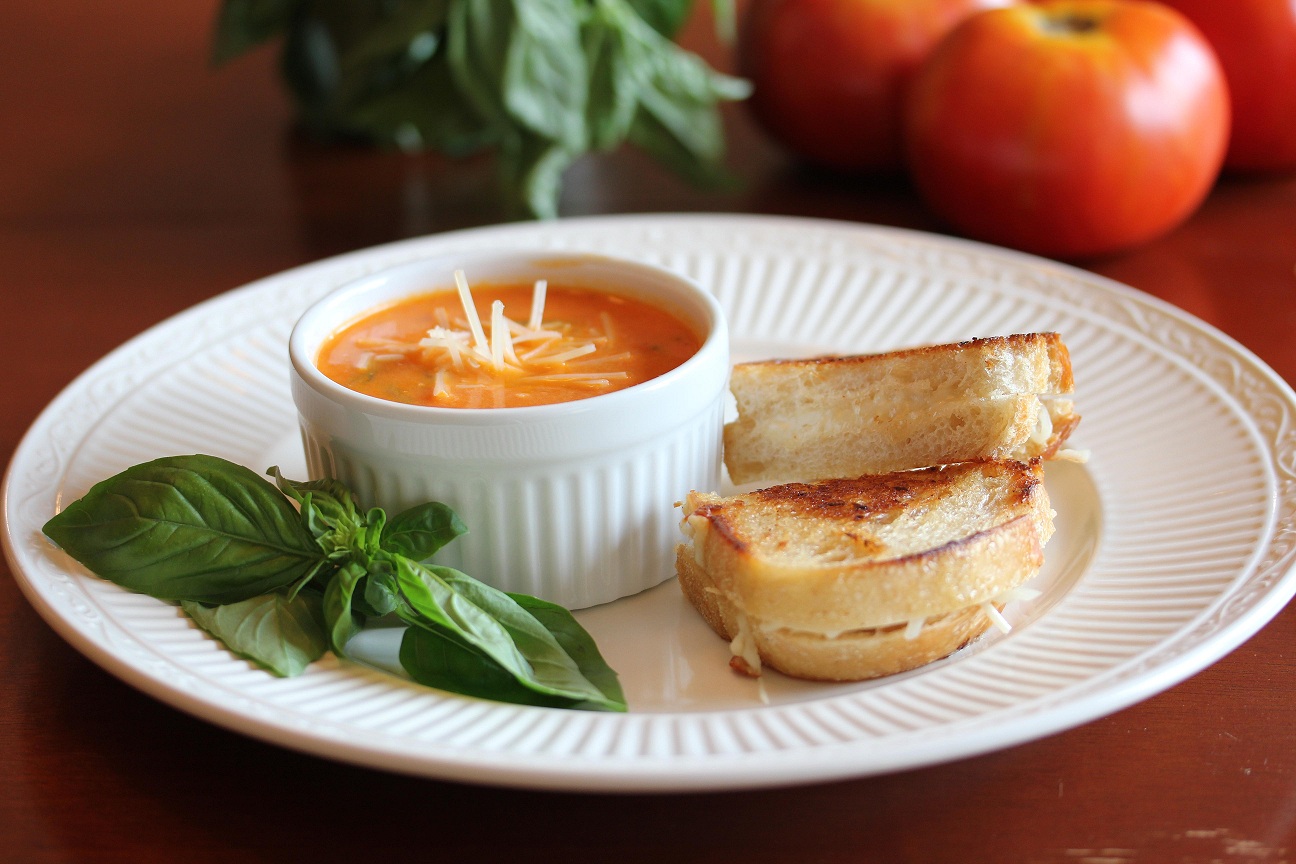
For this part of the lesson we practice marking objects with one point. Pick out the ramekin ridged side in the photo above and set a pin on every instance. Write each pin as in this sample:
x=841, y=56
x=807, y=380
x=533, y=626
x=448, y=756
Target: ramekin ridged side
x=573, y=502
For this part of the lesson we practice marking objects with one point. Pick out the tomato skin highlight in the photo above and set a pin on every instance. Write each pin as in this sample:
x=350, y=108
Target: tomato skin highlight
x=1070, y=128
x=1255, y=41
x=829, y=75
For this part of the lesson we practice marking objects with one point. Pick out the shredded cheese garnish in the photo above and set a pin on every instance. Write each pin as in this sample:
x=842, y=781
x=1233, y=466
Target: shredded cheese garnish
x=694, y=525
x=996, y=617
x=1021, y=592
x=744, y=650
x=1043, y=425
x=469, y=358
x=586, y=379
x=470, y=310
x=564, y=356
x=537, y=304
x=914, y=628
x=611, y=358
x=499, y=333
x=1012, y=595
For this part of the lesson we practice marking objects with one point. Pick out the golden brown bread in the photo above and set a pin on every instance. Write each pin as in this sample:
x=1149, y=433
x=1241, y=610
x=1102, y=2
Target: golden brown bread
x=851, y=579
x=853, y=656
x=1001, y=397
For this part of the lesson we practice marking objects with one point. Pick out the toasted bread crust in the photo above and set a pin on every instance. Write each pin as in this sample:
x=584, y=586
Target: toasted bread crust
x=846, y=579
x=844, y=555
x=847, y=416
x=853, y=656
x=1056, y=358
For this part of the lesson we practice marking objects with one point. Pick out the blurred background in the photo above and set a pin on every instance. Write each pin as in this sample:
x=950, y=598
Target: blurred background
x=137, y=178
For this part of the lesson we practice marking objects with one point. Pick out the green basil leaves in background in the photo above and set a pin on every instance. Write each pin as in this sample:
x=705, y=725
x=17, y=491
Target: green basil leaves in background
x=540, y=82
x=281, y=575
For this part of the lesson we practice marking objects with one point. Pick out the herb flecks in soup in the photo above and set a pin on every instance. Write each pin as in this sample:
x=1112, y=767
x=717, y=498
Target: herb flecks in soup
x=459, y=349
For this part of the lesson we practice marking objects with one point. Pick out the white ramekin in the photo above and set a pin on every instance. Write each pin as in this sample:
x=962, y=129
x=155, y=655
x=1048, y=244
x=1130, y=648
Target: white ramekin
x=572, y=502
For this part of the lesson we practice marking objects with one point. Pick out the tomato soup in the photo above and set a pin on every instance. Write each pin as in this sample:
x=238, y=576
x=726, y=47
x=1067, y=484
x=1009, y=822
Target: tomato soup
x=521, y=345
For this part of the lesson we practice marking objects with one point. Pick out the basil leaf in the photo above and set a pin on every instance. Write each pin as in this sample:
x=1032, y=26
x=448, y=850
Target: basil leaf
x=188, y=528
x=281, y=634
x=236, y=552
x=649, y=135
x=673, y=116
x=371, y=530
x=243, y=24
x=679, y=91
x=330, y=512
x=578, y=644
x=322, y=571
x=553, y=666
x=492, y=623
x=664, y=16
x=380, y=595
x=546, y=80
x=330, y=499
x=543, y=81
x=339, y=620
x=404, y=30
x=425, y=110
x=387, y=58
x=435, y=658
x=726, y=20
x=478, y=33
x=430, y=602
x=521, y=65
x=310, y=66
x=531, y=169
x=420, y=531
x=613, y=90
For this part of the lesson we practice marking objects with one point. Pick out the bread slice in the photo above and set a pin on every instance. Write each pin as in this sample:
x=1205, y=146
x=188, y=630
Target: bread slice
x=852, y=579
x=1002, y=397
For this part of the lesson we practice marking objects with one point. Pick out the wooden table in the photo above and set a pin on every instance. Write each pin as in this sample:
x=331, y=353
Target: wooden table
x=136, y=181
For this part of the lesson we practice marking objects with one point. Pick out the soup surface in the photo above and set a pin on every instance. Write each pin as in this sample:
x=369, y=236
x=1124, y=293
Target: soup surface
x=525, y=345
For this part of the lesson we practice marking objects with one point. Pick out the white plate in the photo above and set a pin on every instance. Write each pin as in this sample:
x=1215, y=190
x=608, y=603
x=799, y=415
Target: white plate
x=1175, y=541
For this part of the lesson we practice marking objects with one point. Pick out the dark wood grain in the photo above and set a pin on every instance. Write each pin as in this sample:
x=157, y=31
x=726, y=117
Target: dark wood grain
x=135, y=181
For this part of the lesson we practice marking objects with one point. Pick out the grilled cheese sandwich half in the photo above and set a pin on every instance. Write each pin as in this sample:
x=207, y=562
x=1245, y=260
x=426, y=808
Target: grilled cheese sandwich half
x=847, y=579
x=1003, y=397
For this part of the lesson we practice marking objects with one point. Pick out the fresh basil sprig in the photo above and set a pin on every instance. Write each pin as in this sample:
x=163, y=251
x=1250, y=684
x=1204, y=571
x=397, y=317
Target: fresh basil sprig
x=281, y=575
x=539, y=81
x=279, y=632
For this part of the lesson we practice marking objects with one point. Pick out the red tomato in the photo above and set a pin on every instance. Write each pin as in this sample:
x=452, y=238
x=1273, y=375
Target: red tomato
x=828, y=74
x=1070, y=128
x=1256, y=44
